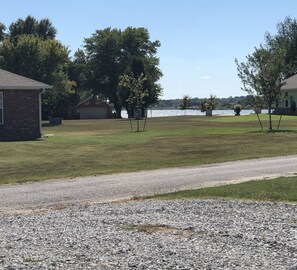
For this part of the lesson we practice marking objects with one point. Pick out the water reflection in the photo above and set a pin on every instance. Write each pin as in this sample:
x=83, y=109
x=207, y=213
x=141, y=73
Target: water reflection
x=164, y=113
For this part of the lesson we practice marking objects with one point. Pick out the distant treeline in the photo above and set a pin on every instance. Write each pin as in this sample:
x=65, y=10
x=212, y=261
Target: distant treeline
x=246, y=102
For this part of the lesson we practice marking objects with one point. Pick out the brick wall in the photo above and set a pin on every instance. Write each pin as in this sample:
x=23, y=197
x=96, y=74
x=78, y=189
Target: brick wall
x=21, y=115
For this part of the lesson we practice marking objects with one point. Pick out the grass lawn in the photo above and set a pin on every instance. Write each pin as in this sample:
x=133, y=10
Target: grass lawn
x=280, y=189
x=93, y=147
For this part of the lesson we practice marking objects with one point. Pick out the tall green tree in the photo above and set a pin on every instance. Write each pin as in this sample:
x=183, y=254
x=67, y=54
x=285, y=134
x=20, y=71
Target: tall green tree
x=30, y=26
x=262, y=75
x=103, y=55
x=264, y=72
x=112, y=53
x=42, y=60
x=185, y=102
x=29, y=49
x=285, y=39
x=139, y=57
x=2, y=31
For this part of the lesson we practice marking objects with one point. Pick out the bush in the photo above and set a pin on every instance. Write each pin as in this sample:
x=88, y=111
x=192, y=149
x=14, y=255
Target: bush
x=237, y=109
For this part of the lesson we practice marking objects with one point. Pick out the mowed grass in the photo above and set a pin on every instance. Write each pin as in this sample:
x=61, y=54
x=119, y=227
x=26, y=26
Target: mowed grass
x=95, y=147
x=280, y=189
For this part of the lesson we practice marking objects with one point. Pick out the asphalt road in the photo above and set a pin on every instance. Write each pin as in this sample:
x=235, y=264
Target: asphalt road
x=107, y=188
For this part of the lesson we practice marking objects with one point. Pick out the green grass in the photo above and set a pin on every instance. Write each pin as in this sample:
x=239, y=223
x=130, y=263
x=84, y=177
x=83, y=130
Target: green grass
x=95, y=147
x=280, y=189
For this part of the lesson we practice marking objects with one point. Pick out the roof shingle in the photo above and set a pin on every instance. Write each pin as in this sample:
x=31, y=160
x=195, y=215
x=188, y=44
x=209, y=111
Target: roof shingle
x=290, y=83
x=9, y=80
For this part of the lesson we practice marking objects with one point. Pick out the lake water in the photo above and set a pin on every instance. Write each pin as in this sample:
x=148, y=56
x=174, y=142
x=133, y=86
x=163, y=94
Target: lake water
x=164, y=113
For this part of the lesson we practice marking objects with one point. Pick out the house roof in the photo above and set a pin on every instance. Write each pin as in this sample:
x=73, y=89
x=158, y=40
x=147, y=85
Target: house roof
x=9, y=80
x=290, y=83
x=92, y=101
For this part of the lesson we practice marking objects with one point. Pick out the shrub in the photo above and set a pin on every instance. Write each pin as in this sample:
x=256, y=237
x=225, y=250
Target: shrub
x=237, y=109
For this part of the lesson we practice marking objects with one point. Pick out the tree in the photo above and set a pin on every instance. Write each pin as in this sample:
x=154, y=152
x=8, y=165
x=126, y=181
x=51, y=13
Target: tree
x=285, y=39
x=30, y=26
x=210, y=102
x=270, y=64
x=103, y=55
x=45, y=29
x=185, y=102
x=136, y=92
x=29, y=49
x=262, y=75
x=77, y=72
x=135, y=88
x=112, y=53
x=139, y=57
x=2, y=31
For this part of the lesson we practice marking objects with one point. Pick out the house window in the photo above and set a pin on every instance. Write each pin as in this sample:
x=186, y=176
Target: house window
x=1, y=107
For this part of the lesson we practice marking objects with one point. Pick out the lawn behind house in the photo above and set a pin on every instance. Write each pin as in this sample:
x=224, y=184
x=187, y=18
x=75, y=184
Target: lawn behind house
x=94, y=147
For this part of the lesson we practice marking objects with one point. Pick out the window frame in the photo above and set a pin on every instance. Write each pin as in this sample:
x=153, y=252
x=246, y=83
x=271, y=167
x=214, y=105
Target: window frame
x=1, y=108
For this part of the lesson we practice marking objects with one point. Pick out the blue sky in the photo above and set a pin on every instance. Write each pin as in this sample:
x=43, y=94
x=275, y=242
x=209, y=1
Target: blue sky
x=199, y=38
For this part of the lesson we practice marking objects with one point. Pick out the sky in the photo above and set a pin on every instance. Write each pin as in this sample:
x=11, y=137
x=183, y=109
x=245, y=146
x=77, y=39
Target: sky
x=199, y=38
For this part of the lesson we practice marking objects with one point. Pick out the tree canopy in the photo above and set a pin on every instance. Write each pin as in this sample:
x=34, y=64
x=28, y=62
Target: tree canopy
x=210, y=102
x=113, y=53
x=185, y=102
x=266, y=68
x=133, y=89
x=2, y=31
x=286, y=40
x=29, y=49
x=30, y=26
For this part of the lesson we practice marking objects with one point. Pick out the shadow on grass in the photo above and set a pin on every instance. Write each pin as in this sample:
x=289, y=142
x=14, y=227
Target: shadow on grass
x=274, y=131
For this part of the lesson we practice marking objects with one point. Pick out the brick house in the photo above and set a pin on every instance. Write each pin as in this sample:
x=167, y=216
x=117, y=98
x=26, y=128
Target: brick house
x=20, y=107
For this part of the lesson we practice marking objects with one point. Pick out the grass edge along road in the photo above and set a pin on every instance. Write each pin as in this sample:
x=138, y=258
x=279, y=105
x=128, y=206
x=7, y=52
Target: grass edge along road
x=283, y=189
x=97, y=147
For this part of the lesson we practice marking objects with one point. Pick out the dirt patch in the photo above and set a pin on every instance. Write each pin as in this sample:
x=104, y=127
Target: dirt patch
x=161, y=228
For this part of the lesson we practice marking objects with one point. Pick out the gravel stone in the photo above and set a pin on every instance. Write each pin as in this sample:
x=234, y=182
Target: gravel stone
x=180, y=234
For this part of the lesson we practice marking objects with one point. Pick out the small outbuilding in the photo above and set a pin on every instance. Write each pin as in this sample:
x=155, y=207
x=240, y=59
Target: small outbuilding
x=20, y=107
x=289, y=97
x=94, y=108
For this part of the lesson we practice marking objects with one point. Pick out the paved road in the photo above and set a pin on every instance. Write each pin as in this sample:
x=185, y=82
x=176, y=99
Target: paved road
x=95, y=189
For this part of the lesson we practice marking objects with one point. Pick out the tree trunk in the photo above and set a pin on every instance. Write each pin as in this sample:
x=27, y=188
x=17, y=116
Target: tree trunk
x=118, y=109
x=130, y=113
x=259, y=120
x=269, y=113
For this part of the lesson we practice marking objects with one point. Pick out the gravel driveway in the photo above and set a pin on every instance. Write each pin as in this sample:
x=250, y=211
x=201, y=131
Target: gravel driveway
x=61, y=225
x=188, y=234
